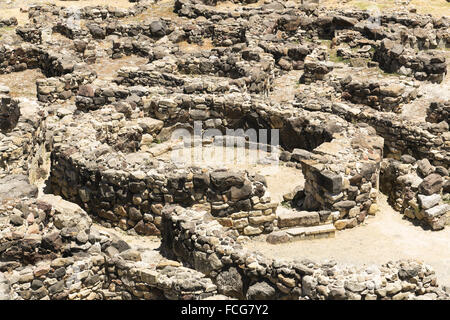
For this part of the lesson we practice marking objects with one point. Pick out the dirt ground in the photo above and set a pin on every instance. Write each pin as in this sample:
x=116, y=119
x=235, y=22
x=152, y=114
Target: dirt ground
x=285, y=87
x=23, y=83
x=107, y=69
x=437, y=8
x=280, y=178
x=148, y=246
x=385, y=237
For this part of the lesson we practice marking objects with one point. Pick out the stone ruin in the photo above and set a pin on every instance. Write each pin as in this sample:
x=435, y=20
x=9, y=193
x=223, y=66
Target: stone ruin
x=87, y=162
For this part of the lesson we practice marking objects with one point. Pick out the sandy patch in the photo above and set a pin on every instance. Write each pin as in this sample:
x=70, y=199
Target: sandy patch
x=380, y=239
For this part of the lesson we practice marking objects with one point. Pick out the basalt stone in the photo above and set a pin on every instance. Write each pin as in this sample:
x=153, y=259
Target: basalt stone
x=442, y=171
x=91, y=280
x=330, y=181
x=16, y=220
x=243, y=205
x=86, y=91
x=158, y=28
x=259, y=178
x=424, y=167
x=223, y=180
x=277, y=237
x=147, y=229
x=9, y=113
x=201, y=181
x=356, y=179
x=431, y=184
x=367, y=169
x=241, y=193
x=285, y=156
x=97, y=31
x=344, y=205
x=446, y=187
x=36, y=284
x=59, y=273
x=407, y=159
x=136, y=187
x=300, y=154
x=52, y=241
x=57, y=287
x=131, y=255
x=344, y=22
x=230, y=283
x=429, y=201
x=134, y=214
x=111, y=251
x=337, y=294
x=120, y=245
x=261, y=291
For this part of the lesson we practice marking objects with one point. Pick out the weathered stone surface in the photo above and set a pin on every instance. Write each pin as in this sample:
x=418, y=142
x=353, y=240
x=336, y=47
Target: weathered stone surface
x=16, y=186
x=278, y=237
x=290, y=218
x=429, y=201
x=261, y=291
x=230, y=283
x=431, y=184
x=103, y=143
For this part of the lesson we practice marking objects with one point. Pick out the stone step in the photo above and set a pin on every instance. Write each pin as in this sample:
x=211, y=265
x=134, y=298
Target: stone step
x=288, y=218
x=302, y=233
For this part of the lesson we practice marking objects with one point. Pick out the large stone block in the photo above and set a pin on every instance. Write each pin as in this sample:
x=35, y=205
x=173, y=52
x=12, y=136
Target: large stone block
x=291, y=218
x=431, y=184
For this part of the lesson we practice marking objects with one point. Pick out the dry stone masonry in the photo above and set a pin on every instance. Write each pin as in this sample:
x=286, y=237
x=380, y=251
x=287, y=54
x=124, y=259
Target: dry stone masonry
x=95, y=204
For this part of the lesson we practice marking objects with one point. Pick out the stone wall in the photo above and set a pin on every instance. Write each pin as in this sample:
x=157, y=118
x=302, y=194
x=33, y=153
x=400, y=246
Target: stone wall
x=22, y=136
x=134, y=201
x=438, y=112
x=257, y=74
x=86, y=12
x=126, y=46
x=153, y=29
x=173, y=83
x=30, y=56
x=332, y=157
x=418, y=190
x=92, y=97
x=195, y=240
x=49, y=250
x=347, y=201
x=402, y=136
x=393, y=57
x=380, y=96
x=151, y=78
x=63, y=88
x=30, y=33
x=9, y=113
x=315, y=70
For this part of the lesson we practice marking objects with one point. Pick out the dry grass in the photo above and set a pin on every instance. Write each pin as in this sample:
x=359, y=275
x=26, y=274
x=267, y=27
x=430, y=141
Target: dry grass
x=163, y=9
x=228, y=5
x=192, y=47
x=436, y=8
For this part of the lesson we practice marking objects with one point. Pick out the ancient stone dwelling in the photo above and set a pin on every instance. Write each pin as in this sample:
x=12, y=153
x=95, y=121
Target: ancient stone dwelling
x=350, y=111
